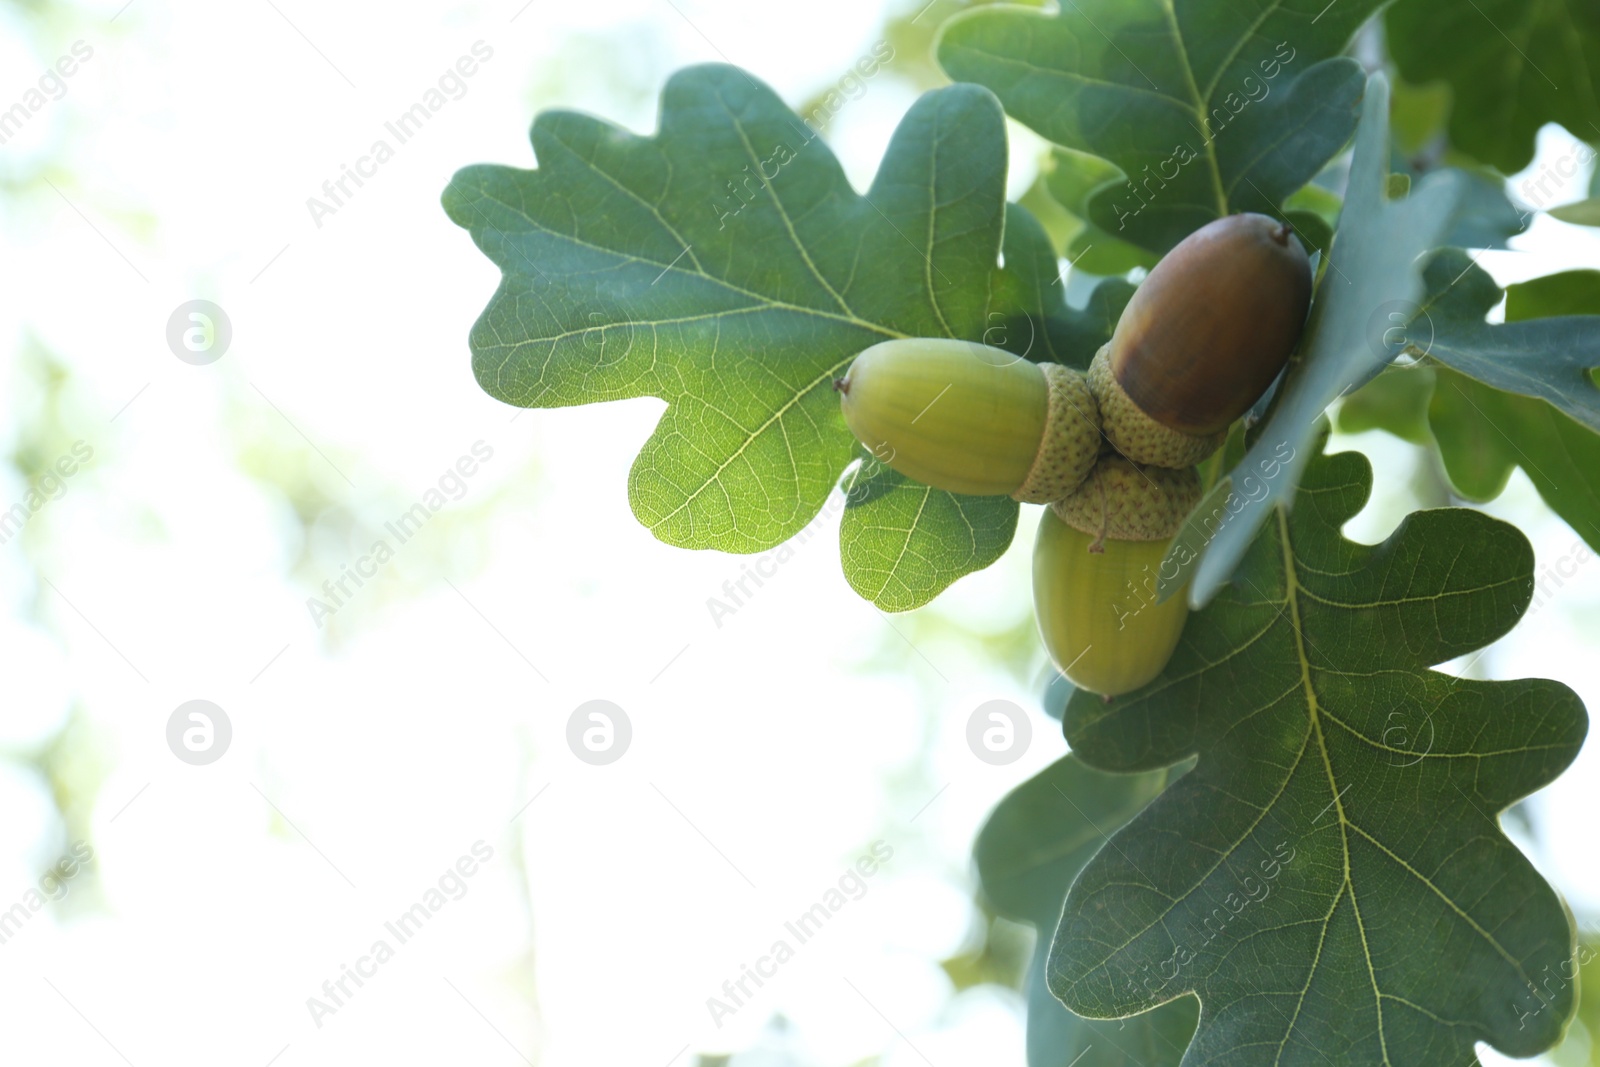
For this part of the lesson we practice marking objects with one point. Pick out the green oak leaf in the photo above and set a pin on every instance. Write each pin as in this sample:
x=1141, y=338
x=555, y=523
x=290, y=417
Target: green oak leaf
x=1547, y=358
x=1371, y=286
x=1335, y=852
x=1571, y=292
x=1059, y=224
x=1481, y=433
x=1317, y=200
x=1313, y=232
x=726, y=266
x=1512, y=66
x=901, y=541
x=1313, y=211
x=1033, y=845
x=1485, y=217
x=1205, y=109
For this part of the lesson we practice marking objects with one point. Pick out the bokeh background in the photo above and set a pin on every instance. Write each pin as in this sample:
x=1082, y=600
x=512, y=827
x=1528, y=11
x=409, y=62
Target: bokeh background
x=425, y=720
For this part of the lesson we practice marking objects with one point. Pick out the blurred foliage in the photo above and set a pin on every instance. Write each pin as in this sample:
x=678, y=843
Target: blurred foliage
x=1072, y=178
x=49, y=413
x=1000, y=958
x=622, y=66
x=1501, y=95
x=1396, y=401
x=1582, y=213
x=1582, y=1046
x=327, y=529
x=1417, y=114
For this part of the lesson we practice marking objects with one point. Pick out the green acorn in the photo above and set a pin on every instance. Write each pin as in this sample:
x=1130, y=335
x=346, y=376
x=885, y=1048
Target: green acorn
x=968, y=418
x=1095, y=565
x=1201, y=340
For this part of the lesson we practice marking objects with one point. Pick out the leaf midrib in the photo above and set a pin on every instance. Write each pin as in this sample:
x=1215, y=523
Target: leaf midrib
x=777, y=204
x=1291, y=596
x=1313, y=705
x=1199, y=109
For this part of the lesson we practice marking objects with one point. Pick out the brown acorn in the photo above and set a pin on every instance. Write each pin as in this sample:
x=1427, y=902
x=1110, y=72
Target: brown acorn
x=1202, y=338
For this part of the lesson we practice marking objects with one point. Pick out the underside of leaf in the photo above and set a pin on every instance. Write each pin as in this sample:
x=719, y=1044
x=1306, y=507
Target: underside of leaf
x=726, y=266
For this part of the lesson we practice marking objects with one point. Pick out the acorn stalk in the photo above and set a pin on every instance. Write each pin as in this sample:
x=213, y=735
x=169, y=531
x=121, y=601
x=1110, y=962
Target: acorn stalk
x=968, y=418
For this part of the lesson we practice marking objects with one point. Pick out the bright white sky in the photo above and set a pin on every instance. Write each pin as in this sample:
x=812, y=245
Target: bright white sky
x=767, y=755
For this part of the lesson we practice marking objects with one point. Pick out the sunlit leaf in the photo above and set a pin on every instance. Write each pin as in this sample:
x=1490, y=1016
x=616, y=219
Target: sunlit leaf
x=726, y=266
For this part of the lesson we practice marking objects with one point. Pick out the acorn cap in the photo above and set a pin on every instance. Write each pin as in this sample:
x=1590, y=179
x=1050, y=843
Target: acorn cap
x=1071, y=439
x=1135, y=434
x=1122, y=501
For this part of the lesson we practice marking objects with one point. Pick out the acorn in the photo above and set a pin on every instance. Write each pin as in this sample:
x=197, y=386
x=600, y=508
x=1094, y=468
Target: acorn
x=1202, y=339
x=1095, y=565
x=968, y=418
